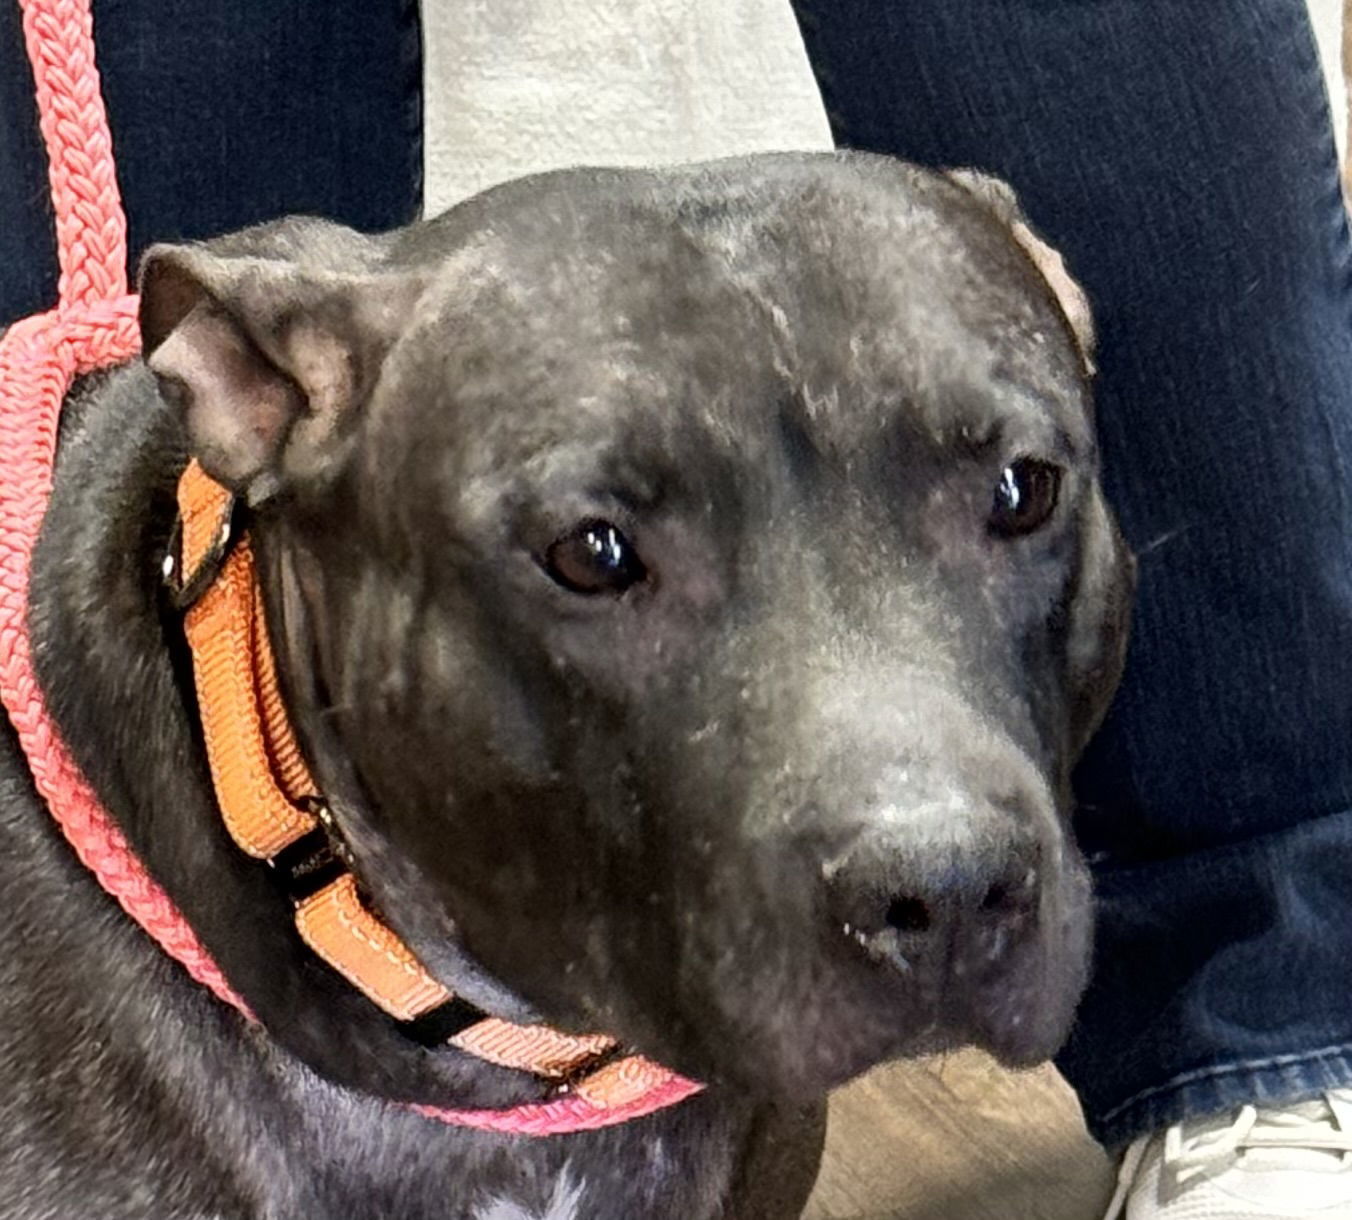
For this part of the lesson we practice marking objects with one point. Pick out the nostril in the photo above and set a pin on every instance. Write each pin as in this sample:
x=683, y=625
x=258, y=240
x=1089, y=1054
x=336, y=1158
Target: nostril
x=997, y=899
x=1006, y=898
x=908, y=915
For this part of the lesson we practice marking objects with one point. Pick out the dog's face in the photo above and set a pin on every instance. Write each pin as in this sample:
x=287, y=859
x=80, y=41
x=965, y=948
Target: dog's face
x=707, y=577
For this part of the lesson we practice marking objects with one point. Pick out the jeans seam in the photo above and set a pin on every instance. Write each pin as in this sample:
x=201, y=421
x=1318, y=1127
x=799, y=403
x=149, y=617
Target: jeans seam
x=1227, y=1069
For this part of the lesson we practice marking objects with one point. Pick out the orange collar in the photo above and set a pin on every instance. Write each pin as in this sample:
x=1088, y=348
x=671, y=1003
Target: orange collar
x=273, y=810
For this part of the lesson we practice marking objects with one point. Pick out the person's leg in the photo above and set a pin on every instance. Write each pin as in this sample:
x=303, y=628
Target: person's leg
x=223, y=115
x=27, y=227
x=1182, y=159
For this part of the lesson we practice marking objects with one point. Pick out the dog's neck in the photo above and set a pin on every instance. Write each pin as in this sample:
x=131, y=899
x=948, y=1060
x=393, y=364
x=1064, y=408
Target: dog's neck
x=116, y=673
x=421, y=921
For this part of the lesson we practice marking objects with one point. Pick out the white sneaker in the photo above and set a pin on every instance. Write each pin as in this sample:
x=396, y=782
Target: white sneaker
x=1268, y=1163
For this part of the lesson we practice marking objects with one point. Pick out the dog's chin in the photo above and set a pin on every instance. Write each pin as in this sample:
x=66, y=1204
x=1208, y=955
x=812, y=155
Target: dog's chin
x=1017, y=1035
x=1021, y=1020
x=835, y=1059
x=807, y=1049
x=1022, y=1035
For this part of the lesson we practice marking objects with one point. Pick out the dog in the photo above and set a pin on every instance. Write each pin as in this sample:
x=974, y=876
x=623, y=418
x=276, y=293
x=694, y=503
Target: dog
x=691, y=589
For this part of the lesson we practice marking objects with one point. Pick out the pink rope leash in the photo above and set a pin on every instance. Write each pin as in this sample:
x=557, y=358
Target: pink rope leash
x=94, y=326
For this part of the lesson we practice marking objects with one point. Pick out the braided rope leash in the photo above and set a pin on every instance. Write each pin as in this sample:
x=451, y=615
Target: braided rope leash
x=94, y=326
x=91, y=227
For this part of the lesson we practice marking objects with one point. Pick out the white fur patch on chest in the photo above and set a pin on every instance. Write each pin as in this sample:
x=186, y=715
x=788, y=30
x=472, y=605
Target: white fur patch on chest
x=562, y=1206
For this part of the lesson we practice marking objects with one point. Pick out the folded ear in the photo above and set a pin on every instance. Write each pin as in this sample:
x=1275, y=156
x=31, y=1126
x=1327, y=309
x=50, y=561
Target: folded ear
x=269, y=341
x=1000, y=198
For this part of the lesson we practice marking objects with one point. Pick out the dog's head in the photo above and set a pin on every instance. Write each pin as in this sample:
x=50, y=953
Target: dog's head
x=706, y=577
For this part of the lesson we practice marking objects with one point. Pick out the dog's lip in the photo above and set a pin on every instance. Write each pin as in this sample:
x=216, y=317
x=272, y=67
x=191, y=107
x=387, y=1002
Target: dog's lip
x=876, y=970
x=1010, y=1021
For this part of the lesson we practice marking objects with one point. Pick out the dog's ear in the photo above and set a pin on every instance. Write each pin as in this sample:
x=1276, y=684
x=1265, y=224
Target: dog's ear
x=1098, y=622
x=1000, y=198
x=269, y=341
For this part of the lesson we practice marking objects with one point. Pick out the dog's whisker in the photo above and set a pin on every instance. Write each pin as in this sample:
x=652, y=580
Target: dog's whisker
x=1161, y=540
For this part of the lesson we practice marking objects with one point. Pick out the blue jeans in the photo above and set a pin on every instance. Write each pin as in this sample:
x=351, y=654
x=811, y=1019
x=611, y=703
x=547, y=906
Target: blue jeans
x=222, y=115
x=1182, y=159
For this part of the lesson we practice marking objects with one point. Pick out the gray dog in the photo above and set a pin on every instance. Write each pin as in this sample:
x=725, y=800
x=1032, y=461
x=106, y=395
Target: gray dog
x=691, y=588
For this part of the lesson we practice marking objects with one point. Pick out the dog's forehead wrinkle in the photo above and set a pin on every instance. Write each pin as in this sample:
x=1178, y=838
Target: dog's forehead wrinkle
x=882, y=389
x=585, y=351
x=587, y=457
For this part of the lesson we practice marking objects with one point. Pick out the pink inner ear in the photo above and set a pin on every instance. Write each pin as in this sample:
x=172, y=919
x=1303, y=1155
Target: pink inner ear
x=238, y=407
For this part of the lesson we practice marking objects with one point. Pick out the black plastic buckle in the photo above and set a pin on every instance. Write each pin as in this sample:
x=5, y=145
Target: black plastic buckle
x=588, y=1067
x=317, y=858
x=308, y=865
x=439, y=1025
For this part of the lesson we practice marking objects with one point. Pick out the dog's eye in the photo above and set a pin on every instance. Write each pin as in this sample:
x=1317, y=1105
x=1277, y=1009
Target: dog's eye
x=594, y=557
x=1025, y=497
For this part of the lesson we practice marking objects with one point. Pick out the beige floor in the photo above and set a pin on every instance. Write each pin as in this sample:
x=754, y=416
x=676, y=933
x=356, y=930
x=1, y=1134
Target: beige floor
x=959, y=1139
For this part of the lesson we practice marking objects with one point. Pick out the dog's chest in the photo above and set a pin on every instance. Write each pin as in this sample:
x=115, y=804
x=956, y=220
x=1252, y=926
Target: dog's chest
x=564, y=1204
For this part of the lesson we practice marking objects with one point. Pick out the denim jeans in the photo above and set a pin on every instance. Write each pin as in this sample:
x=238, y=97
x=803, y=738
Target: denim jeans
x=222, y=115
x=1180, y=155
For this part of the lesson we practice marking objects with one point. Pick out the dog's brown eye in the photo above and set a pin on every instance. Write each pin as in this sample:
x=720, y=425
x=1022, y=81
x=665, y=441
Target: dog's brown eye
x=1024, y=497
x=594, y=557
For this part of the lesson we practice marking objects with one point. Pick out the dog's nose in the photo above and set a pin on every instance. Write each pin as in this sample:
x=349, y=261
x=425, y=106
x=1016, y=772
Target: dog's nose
x=945, y=906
